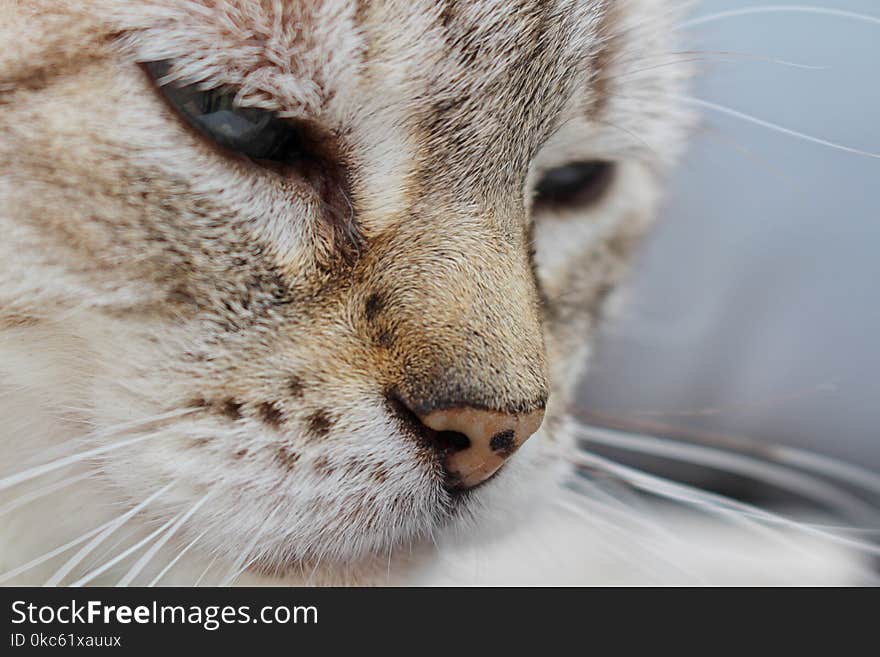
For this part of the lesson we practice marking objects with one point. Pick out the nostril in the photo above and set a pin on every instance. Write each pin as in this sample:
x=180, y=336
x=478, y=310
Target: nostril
x=503, y=442
x=449, y=441
x=443, y=442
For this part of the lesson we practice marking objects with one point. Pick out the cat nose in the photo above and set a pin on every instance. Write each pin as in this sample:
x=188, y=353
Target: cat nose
x=474, y=442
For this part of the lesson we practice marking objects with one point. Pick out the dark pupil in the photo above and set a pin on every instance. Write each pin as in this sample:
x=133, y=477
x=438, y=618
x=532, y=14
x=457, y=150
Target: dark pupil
x=578, y=183
x=252, y=132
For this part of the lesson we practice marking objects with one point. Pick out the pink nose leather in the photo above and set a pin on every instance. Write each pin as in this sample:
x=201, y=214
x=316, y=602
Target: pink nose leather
x=492, y=436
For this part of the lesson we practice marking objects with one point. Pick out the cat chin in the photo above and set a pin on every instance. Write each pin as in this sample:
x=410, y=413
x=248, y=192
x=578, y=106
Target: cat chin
x=493, y=511
x=493, y=514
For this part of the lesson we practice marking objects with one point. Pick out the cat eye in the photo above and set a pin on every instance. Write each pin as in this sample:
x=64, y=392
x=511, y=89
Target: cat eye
x=253, y=132
x=578, y=184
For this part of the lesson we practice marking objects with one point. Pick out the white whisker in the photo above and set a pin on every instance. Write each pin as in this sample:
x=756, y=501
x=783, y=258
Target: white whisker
x=826, y=465
x=739, y=56
x=739, y=519
x=717, y=56
x=709, y=501
x=177, y=558
x=33, y=563
x=634, y=560
x=145, y=559
x=85, y=579
x=23, y=500
x=138, y=425
x=108, y=550
x=644, y=520
x=37, y=471
x=852, y=475
x=775, y=126
x=43, y=558
x=70, y=445
x=71, y=563
x=752, y=156
x=205, y=571
x=242, y=563
x=231, y=579
x=785, y=478
x=780, y=9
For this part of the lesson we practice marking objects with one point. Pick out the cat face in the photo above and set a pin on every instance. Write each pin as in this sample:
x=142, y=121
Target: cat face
x=461, y=186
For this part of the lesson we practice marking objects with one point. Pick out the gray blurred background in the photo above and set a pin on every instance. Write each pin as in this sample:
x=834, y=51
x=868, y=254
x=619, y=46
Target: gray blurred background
x=754, y=310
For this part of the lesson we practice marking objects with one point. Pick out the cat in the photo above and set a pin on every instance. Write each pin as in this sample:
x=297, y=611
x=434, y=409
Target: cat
x=298, y=292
